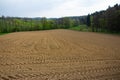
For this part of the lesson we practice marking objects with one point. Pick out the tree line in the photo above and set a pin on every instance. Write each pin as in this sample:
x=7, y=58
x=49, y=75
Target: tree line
x=106, y=20
x=16, y=24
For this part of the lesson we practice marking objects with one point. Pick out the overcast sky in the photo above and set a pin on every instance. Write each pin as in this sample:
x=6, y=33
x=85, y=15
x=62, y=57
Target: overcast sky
x=52, y=8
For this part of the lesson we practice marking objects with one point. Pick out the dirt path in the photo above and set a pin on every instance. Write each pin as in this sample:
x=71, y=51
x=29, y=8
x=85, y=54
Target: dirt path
x=59, y=55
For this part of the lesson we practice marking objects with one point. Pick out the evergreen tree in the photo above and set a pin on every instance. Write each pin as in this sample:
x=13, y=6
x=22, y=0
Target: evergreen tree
x=88, y=20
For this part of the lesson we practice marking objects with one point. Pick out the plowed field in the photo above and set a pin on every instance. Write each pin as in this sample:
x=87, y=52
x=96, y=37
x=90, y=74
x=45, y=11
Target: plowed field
x=59, y=55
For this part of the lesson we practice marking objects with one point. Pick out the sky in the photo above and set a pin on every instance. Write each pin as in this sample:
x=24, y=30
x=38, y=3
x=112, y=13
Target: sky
x=53, y=8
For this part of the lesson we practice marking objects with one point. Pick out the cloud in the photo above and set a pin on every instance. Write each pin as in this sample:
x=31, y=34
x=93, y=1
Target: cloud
x=27, y=7
x=52, y=8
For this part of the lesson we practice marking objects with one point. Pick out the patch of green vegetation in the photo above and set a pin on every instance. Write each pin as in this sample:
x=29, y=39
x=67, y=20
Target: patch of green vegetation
x=3, y=33
x=80, y=28
x=75, y=28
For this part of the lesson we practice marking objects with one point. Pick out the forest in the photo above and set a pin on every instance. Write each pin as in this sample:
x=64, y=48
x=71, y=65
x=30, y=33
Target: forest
x=106, y=21
x=102, y=21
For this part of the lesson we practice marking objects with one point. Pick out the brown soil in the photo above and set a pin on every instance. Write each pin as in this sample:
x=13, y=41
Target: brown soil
x=59, y=55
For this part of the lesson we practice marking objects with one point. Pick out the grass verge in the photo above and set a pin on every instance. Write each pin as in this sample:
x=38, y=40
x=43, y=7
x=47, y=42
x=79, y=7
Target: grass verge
x=3, y=33
x=80, y=28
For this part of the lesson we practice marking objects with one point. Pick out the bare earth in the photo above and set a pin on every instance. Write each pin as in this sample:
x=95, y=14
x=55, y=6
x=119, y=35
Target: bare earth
x=59, y=55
